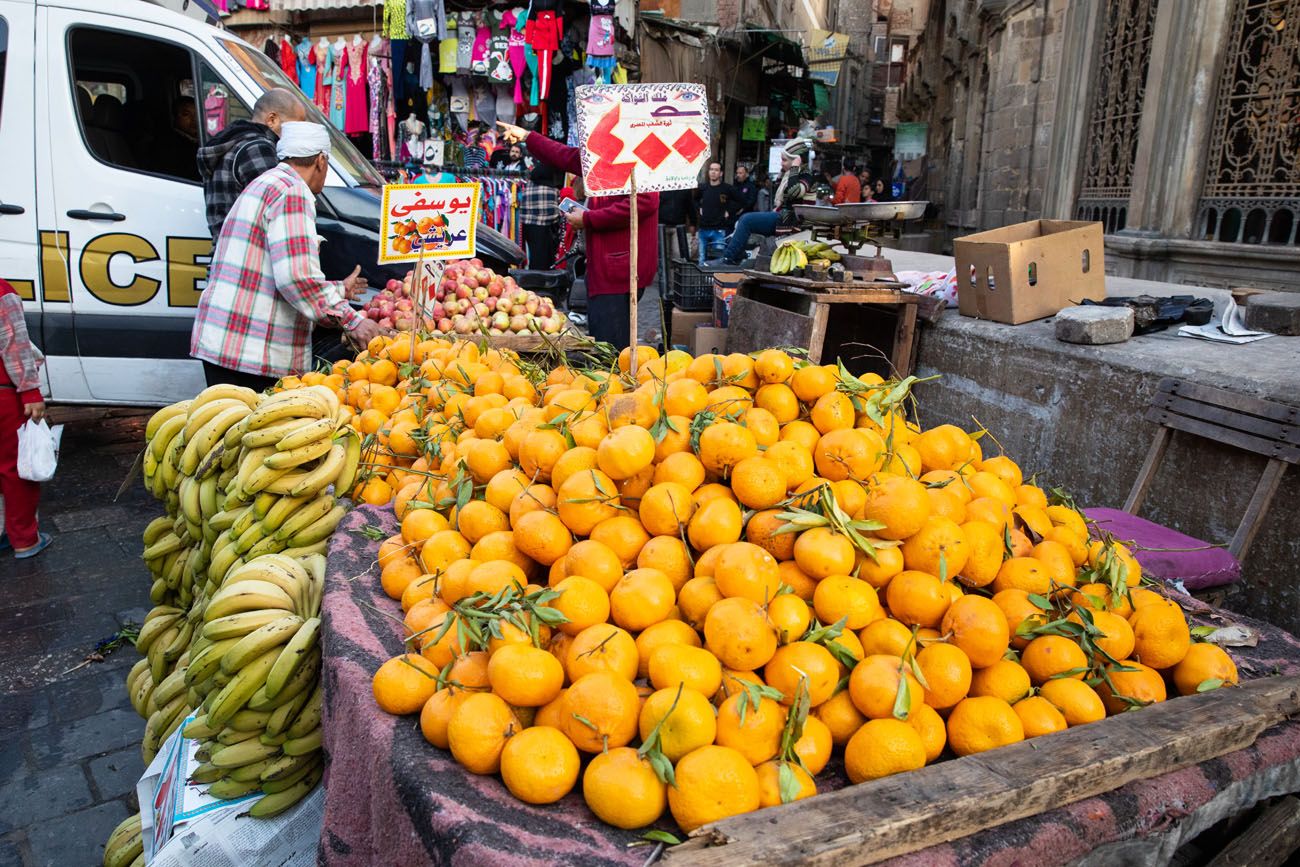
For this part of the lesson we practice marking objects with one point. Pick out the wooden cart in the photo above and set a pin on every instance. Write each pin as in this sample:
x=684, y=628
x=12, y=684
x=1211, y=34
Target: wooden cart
x=853, y=321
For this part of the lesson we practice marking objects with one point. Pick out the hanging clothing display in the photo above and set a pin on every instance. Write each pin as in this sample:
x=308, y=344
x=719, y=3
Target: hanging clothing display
x=395, y=20
x=307, y=68
x=324, y=74
x=272, y=50
x=426, y=22
x=356, y=115
x=338, y=106
x=465, y=32
x=379, y=79
x=289, y=59
x=514, y=20
x=543, y=34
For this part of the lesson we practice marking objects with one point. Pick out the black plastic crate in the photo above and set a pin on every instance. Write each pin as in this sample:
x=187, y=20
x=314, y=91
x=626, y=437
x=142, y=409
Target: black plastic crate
x=692, y=288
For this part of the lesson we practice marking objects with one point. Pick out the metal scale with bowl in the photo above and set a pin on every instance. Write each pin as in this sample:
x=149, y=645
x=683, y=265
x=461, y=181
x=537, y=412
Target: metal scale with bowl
x=851, y=225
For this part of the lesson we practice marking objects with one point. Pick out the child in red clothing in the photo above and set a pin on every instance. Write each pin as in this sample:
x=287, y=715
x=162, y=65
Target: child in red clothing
x=20, y=399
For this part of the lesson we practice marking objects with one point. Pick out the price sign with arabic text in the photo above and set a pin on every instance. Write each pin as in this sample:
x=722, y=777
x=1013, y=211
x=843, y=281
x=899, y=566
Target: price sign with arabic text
x=660, y=132
x=436, y=219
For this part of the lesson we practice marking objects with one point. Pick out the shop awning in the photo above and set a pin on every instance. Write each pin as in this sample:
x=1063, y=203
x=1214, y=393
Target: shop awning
x=826, y=51
x=770, y=45
x=311, y=5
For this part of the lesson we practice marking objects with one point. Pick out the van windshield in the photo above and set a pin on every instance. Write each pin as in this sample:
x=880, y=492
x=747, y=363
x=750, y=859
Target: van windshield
x=267, y=75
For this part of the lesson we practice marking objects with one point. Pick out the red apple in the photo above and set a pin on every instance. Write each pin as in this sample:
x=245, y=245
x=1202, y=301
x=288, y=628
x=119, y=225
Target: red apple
x=481, y=292
x=385, y=323
x=518, y=323
x=463, y=291
x=501, y=321
x=517, y=310
x=490, y=303
x=437, y=312
x=444, y=325
x=476, y=263
x=482, y=310
x=532, y=304
x=519, y=296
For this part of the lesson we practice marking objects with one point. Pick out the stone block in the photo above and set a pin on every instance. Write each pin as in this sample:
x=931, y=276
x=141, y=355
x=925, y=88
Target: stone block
x=1274, y=312
x=64, y=743
x=42, y=796
x=77, y=838
x=116, y=774
x=1094, y=326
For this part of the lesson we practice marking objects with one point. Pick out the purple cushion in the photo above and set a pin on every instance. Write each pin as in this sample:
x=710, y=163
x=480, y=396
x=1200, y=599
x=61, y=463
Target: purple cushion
x=1198, y=570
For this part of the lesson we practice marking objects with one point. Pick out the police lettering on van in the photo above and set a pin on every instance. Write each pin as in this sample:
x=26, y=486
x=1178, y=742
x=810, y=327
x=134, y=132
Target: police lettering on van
x=102, y=227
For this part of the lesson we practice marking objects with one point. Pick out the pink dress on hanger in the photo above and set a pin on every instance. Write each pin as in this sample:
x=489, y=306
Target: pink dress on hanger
x=324, y=76
x=357, y=117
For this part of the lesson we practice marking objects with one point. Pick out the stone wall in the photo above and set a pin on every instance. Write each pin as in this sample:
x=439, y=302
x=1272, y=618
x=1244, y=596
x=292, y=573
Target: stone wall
x=984, y=77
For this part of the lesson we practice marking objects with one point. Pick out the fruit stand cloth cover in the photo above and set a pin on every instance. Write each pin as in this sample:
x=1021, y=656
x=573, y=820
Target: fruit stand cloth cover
x=1168, y=554
x=392, y=798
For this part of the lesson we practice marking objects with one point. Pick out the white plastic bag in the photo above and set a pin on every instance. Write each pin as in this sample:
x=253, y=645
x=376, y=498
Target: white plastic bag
x=38, y=450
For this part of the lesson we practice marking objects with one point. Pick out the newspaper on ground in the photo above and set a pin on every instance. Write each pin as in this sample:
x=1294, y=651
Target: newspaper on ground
x=184, y=826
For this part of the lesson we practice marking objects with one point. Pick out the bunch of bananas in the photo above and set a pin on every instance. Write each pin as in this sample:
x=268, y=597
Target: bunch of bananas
x=252, y=487
x=255, y=667
x=793, y=255
x=125, y=846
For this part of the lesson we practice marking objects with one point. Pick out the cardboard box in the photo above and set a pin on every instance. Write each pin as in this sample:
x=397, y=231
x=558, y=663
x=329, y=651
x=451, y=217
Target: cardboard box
x=1030, y=270
x=722, y=295
x=683, y=326
x=710, y=339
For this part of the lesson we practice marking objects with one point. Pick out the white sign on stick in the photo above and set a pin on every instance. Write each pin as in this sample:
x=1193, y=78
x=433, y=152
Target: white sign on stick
x=660, y=132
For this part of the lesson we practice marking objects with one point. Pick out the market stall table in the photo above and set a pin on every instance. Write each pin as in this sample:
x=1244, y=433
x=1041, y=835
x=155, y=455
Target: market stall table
x=392, y=798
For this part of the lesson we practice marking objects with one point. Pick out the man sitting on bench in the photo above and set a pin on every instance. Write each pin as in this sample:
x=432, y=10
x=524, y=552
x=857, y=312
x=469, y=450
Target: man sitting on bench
x=795, y=188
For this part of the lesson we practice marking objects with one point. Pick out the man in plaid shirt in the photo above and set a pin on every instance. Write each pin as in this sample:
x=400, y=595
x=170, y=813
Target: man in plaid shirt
x=265, y=287
x=539, y=215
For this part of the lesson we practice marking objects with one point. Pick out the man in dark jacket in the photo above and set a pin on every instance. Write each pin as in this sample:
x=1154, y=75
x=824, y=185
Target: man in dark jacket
x=242, y=151
x=746, y=191
x=714, y=203
x=795, y=188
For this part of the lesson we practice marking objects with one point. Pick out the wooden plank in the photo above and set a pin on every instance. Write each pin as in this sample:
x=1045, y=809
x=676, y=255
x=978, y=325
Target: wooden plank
x=817, y=336
x=828, y=287
x=1256, y=509
x=1231, y=399
x=1232, y=419
x=873, y=821
x=755, y=325
x=1155, y=455
x=1268, y=842
x=904, y=338
x=1258, y=445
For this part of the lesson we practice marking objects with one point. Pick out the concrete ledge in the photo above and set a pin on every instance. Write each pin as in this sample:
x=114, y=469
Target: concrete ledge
x=1074, y=415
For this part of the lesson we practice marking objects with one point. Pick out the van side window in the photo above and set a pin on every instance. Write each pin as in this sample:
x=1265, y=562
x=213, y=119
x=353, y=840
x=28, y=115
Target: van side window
x=221, y=107
x=135, y=101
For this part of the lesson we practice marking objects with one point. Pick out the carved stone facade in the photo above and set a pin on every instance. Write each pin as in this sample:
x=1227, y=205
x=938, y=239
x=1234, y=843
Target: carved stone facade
x=1176, y=124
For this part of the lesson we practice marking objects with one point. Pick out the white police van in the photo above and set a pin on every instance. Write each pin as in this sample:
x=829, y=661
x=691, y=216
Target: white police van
x=102, y=227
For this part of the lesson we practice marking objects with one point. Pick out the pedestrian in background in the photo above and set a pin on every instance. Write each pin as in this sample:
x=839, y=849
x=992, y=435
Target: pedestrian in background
x=539, y=213
x=714, y=201
x=20, y=400
x=746, y=189
x=848, y=190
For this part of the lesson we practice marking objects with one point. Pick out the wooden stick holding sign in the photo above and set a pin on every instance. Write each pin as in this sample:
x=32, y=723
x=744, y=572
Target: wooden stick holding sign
x=632, y=287
x=641, y=138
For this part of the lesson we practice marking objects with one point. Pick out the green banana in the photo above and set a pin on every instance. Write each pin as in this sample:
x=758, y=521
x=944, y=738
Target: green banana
x=319, y=530
x=292, y=656
x=238, y=624
x=305, y=517
x=243, y=753
x=227, y=789
x=242, y=686
x=287, y=768
x=277, y=802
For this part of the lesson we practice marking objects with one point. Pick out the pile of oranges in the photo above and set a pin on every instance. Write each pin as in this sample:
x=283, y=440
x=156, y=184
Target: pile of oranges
x=684, y=590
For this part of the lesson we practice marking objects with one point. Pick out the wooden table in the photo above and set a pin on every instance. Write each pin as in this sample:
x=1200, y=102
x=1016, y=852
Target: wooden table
x=777, y=310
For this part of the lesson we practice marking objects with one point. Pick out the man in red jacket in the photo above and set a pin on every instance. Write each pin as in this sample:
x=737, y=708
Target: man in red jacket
x=607, y=221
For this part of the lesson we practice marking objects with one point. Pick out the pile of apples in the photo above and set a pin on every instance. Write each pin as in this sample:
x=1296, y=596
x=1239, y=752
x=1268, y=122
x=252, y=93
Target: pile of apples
x=469, y=299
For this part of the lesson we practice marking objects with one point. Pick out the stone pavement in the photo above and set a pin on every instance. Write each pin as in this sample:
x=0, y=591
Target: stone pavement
x=71, y=753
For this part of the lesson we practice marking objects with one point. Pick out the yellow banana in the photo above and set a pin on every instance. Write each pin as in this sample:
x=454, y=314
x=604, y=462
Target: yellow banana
x=305, y=517
x=157, y=420
x=292, y=657
x=306, y=434
x=162, y=440
x=247, y=596
x=260, y=641
x=223, y=391
x=319, y=530
x=329, y=470
x=351, y=463
x=240, y=689
x=274, y=432
x=301, y=403
x=208, y=436
x=287, y=460
x=275, y=802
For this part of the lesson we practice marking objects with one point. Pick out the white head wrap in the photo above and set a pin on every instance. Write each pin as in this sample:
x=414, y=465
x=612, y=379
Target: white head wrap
x=302, y=139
